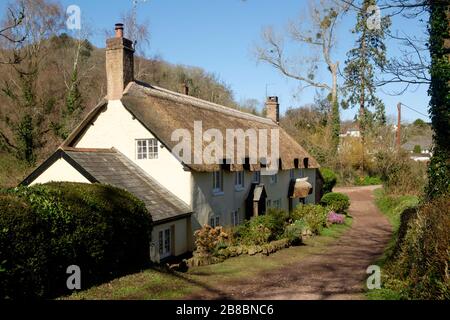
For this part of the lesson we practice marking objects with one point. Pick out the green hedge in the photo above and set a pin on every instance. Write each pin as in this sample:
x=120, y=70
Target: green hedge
x=336, y=201
x=45, y=228
x=262, y=229
x=329, y=179
x=313, y=216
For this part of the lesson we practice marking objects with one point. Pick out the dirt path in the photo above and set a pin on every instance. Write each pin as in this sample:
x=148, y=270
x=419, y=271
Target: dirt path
x=336, y=273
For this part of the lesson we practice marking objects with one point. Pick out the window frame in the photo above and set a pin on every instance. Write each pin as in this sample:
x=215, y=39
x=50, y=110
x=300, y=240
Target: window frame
x=256, y=178
x=235, y=218
x=217, y=190
x=148, y=150
x=239, y=180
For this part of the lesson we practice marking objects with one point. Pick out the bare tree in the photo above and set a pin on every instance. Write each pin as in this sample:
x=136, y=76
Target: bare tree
x=318, y=33
x=8, y=39
x=316, y=36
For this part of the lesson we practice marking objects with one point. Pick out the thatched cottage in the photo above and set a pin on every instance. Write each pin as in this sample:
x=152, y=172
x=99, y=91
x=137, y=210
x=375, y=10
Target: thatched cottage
x=127, y=141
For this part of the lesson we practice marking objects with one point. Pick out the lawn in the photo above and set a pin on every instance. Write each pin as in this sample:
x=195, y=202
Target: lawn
x=157, y=283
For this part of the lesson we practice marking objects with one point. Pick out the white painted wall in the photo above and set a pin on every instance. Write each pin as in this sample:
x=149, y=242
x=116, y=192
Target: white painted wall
x=115, y=127
x=206, y=204
x=181, y=239
x=61, y=170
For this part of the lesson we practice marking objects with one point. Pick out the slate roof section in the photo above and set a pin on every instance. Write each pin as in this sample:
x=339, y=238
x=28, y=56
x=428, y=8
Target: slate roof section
x=109, y=166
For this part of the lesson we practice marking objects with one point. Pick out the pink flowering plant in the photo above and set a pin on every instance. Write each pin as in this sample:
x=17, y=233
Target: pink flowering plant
x=335, y=218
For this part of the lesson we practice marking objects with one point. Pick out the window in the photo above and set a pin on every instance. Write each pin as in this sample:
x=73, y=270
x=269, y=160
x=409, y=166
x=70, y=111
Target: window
x=292, y=173
x=165, y=244
x=276, y=204
x=147, y=149
x=217, y=182
x=268, y=203
x=214, y=221
x=239, y=180
x=274, y=178
x=256, y=177
x=235, y=217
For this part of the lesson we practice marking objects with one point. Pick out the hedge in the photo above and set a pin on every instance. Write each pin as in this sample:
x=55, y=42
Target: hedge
x=45, y=228
x=329, y=179
x=336, y=201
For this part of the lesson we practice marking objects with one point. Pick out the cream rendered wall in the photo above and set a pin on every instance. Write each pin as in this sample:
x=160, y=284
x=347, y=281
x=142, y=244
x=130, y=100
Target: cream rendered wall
x=207, y=205
x=61, y=170
x=180, y=240
x=115, y=127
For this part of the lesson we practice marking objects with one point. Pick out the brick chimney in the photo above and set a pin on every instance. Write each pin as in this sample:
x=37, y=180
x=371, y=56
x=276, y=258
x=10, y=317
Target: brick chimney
x=273, y=109
x=119, y=63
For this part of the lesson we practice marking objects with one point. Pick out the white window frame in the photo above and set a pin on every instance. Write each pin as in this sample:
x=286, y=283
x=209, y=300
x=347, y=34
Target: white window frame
x=165, y=242
x=217, y=187
x=239, y=182
x=146, y=149
x=214, y=221
x=256, y=178
x=235, y=218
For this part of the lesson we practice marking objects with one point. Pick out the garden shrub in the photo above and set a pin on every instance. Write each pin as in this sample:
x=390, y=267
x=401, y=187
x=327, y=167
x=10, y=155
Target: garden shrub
x=336, y=201
x=209, y=239
x=315, y=216
x=329, y=179
x=262, y=229
x=45, y=228
x=294, y=232
x=335, y=218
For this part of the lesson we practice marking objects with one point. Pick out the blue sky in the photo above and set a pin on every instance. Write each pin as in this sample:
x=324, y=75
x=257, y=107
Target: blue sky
x=218, y=35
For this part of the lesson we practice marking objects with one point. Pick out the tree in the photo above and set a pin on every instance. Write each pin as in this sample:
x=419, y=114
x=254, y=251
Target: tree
x=318, y=35
x=439, y=109
x=24, y=131
x=368, y=54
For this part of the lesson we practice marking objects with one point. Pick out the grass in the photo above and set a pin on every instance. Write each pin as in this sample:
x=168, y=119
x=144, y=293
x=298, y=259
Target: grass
x=157, y=283
x=392, y=207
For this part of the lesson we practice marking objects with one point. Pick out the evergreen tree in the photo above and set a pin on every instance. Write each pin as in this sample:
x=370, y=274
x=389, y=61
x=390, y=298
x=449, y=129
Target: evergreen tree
x=368, y=54
x=439, y=109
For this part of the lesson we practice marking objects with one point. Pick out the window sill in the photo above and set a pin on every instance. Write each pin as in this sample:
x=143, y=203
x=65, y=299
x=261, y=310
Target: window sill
x=217, y=193
x=238, y=188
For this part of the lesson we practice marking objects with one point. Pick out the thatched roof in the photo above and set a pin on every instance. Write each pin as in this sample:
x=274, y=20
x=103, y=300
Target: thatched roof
x=162, y=111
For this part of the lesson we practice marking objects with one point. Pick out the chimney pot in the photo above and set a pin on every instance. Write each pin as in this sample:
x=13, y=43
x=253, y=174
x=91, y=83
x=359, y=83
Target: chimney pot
x=273, y=109
x=118, y=28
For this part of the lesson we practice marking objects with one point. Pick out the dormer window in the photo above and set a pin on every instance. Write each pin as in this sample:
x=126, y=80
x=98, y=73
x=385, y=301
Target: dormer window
x=146, y=149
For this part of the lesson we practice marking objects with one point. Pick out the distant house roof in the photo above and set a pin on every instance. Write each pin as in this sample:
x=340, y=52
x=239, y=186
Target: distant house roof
x=162, y=111
x=109, y=166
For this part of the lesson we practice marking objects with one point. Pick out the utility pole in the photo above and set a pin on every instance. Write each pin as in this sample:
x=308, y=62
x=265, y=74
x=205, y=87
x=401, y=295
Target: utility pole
x=399, y=125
